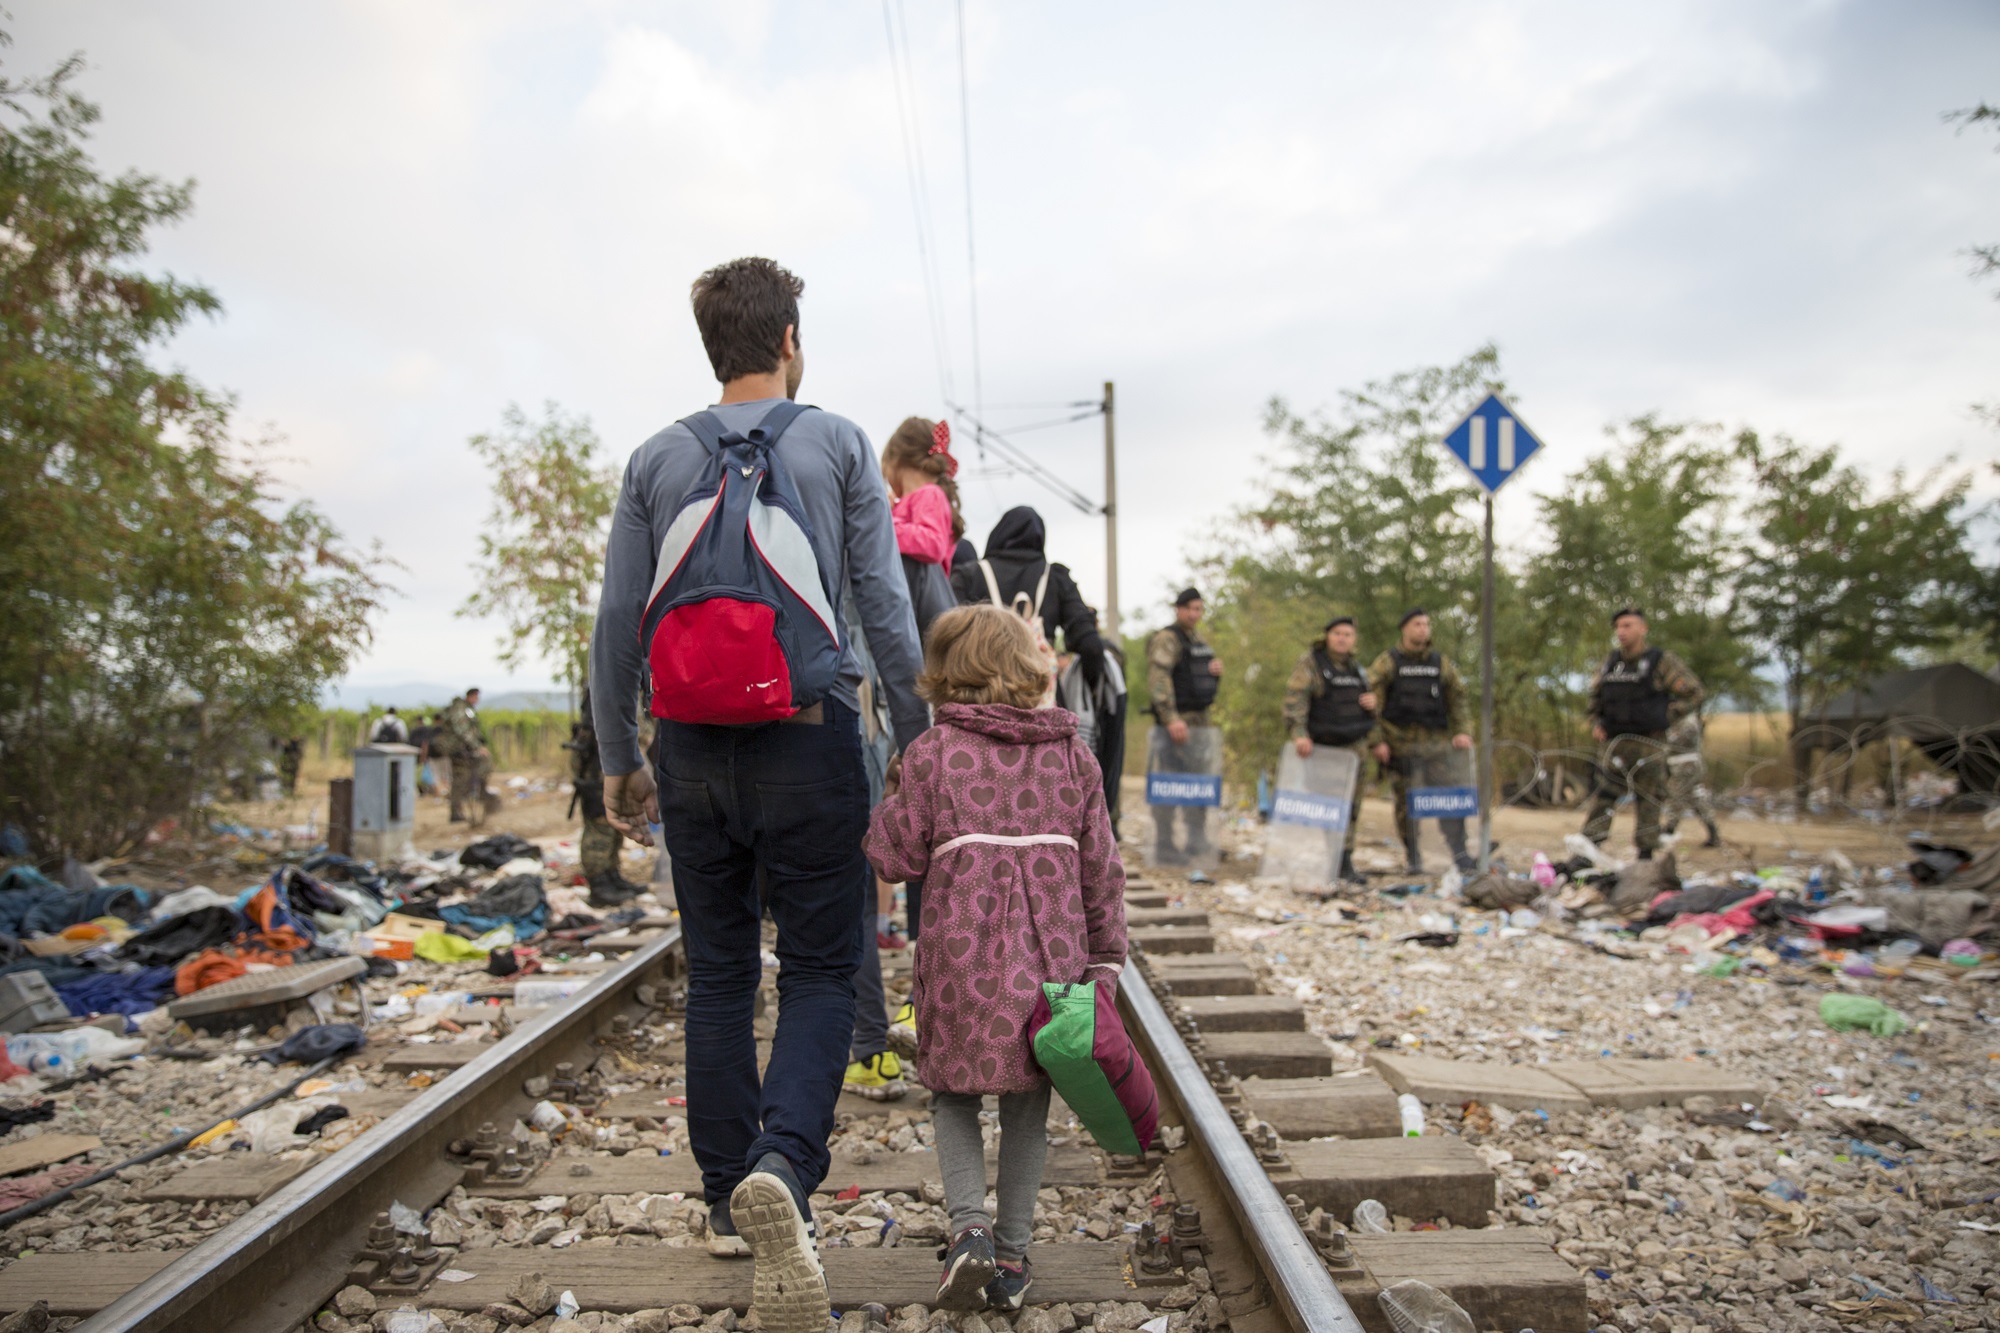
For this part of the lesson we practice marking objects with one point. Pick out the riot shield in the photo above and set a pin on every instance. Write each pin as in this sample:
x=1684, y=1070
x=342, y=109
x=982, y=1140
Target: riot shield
x=1310, y=808
x=1183, y=782
x=1441, y=785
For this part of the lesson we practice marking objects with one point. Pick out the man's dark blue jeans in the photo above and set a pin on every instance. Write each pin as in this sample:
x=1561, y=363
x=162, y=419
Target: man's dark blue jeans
x=779, y=809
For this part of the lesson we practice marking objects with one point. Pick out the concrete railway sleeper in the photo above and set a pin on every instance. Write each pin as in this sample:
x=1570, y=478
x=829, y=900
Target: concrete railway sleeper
x=1238, y=1224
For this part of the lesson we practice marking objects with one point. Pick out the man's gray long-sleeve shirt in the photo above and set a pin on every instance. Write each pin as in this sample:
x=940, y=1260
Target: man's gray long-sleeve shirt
x=832, y=467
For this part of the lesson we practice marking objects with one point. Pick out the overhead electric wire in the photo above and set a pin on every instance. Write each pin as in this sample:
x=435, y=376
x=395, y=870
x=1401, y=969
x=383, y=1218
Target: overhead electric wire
x=1019, y=458
x=907, y=120
x=971, y=259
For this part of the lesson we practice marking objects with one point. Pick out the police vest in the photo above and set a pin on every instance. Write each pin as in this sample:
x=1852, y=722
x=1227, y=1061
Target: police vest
x=1629, y=699
x=1416, y=692
x=1336, y=716
x=1194, y=684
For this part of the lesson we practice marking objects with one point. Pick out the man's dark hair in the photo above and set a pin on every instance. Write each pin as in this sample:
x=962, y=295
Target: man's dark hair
x=742, y=308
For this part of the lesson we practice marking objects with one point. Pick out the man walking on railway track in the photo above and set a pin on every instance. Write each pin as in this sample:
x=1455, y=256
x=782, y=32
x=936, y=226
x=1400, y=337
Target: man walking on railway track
x=1328, y=704
x=1424, y=718
x=1637, y=695
x=736, y=533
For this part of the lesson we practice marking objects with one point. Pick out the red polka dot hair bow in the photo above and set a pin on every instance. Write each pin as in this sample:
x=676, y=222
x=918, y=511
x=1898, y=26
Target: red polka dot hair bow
x=941, y=444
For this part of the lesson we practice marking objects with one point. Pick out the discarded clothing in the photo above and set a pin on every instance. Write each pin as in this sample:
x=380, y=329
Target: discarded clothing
x=1640, y=883
x=210, y=967
x=320, y=1119
x=1697, y=900
x=1937, y=916
x=438, y=947
x=1844, y=1013
x=33, y=904
x=177, y=937
x=119, y=992
x=496, y=851
x=316, y=1043
x=516, y=901
x=18, y=1190
x=187, y=900
x=26, y=1115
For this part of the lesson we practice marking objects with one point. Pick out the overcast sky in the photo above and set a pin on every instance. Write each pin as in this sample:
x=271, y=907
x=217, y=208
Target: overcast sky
x=418, y=213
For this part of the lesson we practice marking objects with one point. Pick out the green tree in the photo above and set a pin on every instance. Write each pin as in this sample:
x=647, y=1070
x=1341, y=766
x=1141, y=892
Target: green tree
x=1646, y=524
x=165, y=616
x=1985, y=258
x=541, y=557
x=1843, y=584
x=1366, y=515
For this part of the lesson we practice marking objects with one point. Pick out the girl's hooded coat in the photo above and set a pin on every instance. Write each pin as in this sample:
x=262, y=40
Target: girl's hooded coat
x=1002, y=814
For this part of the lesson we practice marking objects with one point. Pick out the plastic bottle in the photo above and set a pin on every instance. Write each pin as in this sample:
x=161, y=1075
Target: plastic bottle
x=1413, y=1115
x=1893, y=957
x=441, y=1001
x=1451, y=885
x=538, y=992
x=77, y=1047
x=1372, y=1218
x=1418, y=1307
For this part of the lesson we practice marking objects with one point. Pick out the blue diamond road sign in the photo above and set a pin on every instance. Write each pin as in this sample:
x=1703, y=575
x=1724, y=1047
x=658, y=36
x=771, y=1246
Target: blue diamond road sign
x=1493, y=443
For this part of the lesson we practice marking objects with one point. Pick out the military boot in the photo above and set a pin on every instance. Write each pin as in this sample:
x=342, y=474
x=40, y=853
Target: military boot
x=608, y=890
x=1348, y=874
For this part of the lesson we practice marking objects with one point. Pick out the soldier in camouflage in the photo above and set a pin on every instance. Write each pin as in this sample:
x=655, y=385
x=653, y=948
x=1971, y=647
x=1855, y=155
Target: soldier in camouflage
x=1328, y=705
x=471, y=761
x=1424, y=718
x=600, y=843
x=1636, y=697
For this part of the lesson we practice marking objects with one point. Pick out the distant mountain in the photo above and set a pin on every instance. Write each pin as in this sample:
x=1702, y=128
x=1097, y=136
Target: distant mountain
x=526, y=701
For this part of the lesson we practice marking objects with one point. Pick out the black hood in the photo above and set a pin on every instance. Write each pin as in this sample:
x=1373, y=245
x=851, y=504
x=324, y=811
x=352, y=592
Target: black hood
x=1019, y=533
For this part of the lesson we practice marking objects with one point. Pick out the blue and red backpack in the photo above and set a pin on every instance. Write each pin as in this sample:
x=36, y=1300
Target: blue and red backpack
x=740, y=628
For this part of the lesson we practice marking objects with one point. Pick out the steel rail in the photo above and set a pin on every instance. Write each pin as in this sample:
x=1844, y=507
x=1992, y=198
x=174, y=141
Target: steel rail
x=1304, y=1289
x=269, y=1268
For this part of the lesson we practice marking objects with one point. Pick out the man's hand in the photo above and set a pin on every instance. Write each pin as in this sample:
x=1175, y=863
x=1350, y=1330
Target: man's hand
x=1367, y=701
x=632, y=805
x=1598, y=731
x=892, y=780
x=1461, y=742
x=1381, y=752
x=1303, y=745
x=1214, y=666
x=1177, y=731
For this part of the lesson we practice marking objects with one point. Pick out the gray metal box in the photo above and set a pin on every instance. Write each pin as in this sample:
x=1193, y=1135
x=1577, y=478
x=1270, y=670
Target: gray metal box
x=385, y=802
x=27, y=1000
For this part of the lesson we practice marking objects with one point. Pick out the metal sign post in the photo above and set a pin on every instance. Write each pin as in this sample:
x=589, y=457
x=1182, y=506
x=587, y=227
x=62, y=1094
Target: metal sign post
x=1493, y=444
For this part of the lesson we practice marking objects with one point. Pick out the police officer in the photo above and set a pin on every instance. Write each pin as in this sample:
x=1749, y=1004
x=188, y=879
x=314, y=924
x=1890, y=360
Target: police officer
x=1328, y=705
x=1636, y=696
x=600, y=843
x=1424, y=718
x=1183, y=675
x=471, y=761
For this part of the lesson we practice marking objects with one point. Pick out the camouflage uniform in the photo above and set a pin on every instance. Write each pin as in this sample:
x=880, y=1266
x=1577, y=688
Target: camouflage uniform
x=1635, y=761
x=1200, y=753
x=600, y=844
x=1303, y=686
x=469, y=762
x=1422, y=756
x=1687, y=779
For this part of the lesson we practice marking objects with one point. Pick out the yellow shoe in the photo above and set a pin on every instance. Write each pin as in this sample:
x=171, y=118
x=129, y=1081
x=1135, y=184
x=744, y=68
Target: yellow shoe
x=903, y=1032
x=879, y=1078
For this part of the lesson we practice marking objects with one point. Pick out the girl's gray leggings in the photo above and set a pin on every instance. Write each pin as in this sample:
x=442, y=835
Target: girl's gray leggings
x=1024, y=1147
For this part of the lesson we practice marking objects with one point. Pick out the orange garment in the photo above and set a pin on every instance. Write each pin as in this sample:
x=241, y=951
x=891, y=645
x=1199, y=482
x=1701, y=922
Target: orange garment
x=206, y=969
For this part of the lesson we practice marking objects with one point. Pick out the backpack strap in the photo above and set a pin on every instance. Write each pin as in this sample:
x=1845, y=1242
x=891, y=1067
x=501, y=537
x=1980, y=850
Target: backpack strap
x=708, y=429
x=1042, y=589
x=992, y=584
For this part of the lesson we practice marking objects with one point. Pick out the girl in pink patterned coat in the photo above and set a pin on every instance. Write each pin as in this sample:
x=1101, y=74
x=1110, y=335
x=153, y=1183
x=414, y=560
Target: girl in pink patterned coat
x=1000, y=808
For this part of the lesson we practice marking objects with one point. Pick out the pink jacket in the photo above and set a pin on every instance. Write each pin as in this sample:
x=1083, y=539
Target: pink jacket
x=1002, y=814
x=923, y=526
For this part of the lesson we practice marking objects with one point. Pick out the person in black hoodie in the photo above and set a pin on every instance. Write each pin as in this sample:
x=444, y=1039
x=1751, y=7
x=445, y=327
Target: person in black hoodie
x=1016, y=563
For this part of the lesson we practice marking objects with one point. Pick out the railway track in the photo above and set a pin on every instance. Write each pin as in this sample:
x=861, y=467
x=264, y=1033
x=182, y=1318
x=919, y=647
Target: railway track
x=1239, y=1223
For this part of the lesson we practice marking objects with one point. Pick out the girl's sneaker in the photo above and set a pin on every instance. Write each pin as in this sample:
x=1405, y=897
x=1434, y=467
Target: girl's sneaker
x=968, y=1267
x=1009, y=1287
x=879, y=1078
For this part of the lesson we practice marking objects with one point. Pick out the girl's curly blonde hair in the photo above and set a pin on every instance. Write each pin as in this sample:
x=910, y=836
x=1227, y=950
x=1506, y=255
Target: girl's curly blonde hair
x=983, y=654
